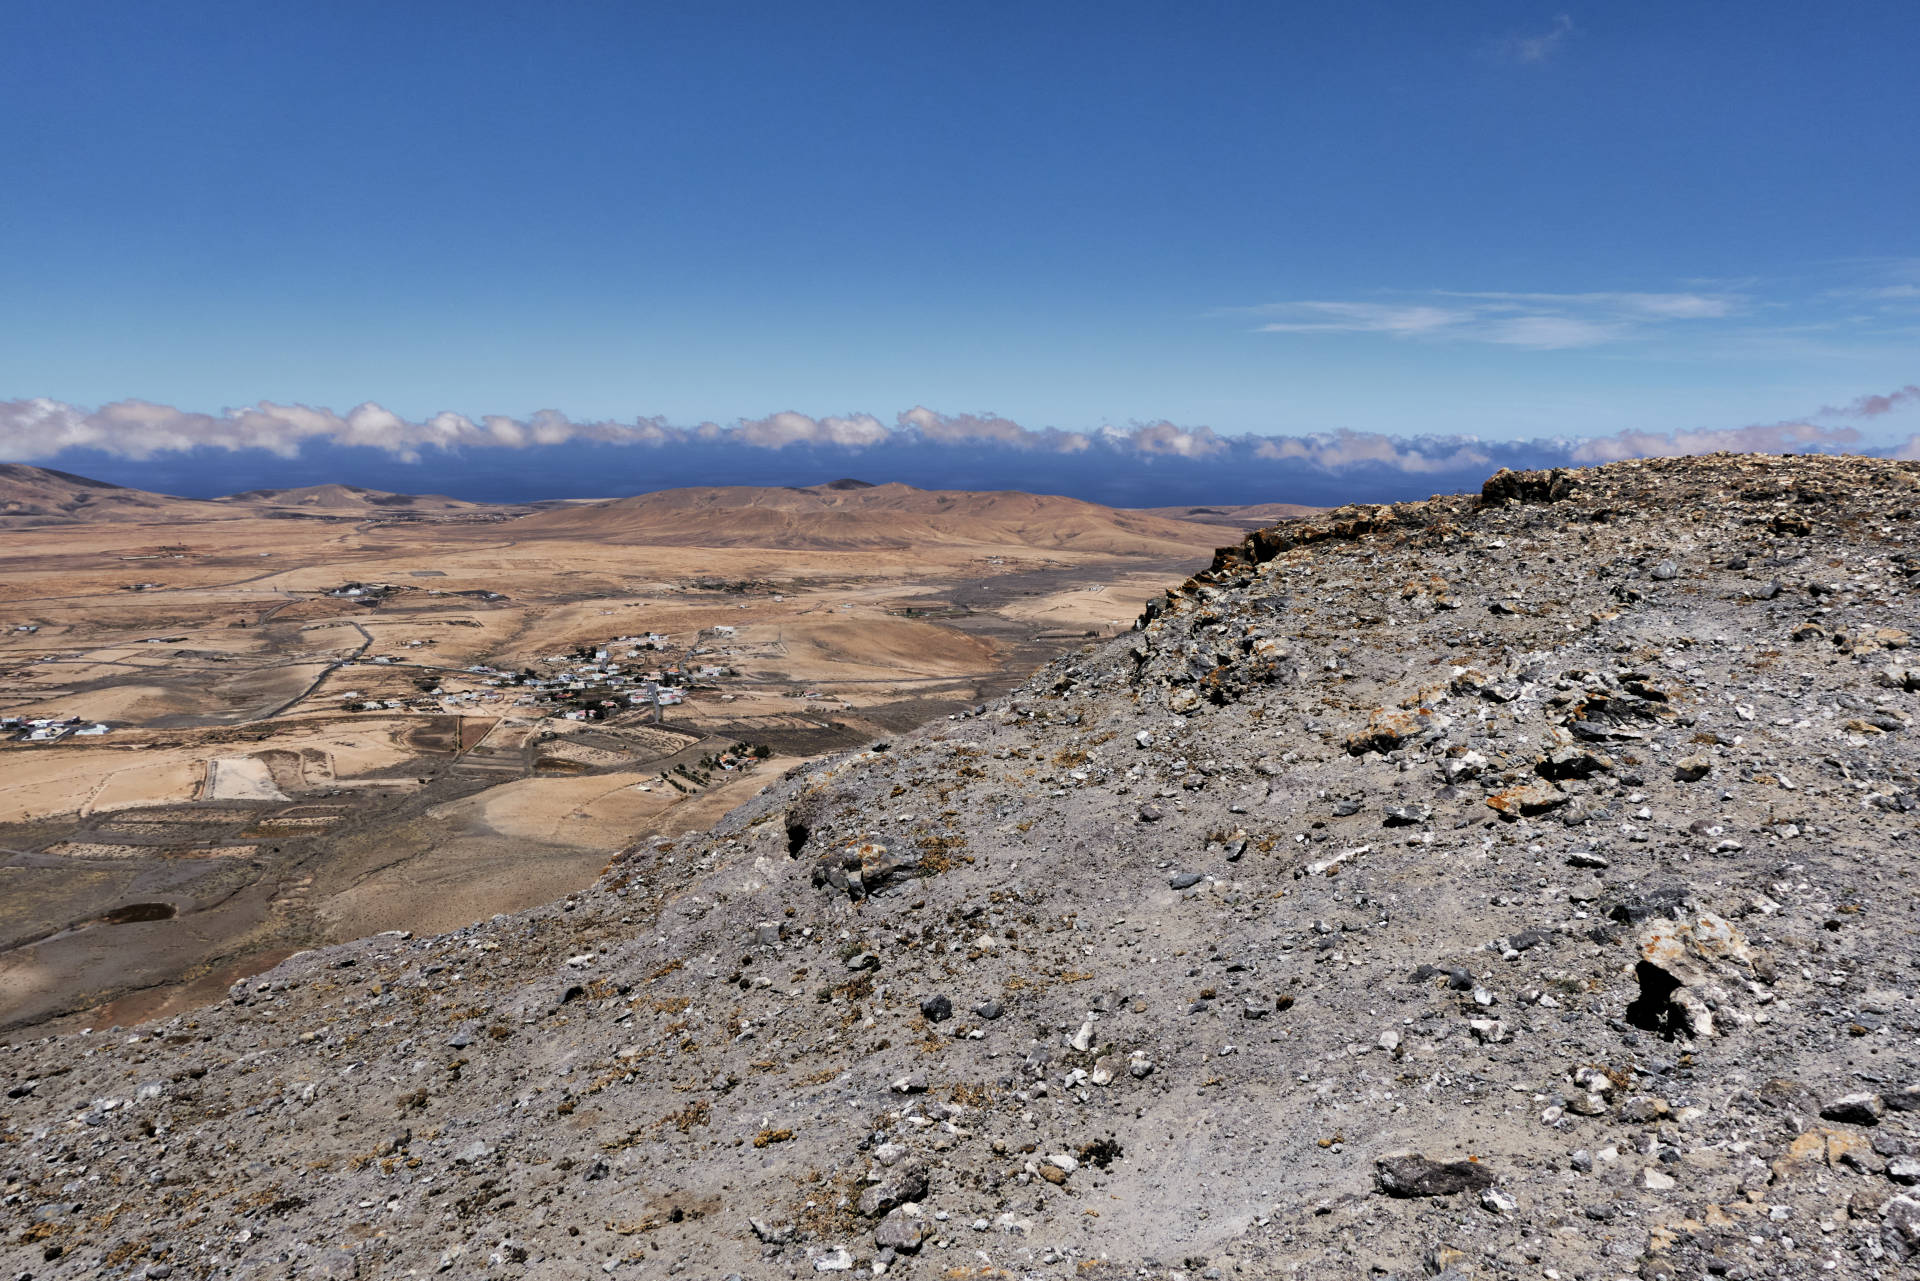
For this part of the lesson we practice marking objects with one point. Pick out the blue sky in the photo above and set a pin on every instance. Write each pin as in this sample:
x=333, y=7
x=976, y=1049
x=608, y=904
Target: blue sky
x=1505, y=220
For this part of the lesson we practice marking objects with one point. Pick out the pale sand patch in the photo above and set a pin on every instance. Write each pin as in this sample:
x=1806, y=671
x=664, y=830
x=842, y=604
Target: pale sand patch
x=357, y=748
x=1105, y=606
x=158, y=782
x=241, y=778
x=583, y=753
x=880, y=648
x=599, y=811
x=37, y=784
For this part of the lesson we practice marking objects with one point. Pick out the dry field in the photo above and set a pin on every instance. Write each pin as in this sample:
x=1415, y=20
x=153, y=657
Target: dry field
x=244, y=804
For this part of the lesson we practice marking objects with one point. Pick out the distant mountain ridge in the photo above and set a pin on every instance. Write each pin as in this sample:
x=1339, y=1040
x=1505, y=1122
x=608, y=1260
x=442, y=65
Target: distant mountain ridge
x=841, y=514
x=43, y=496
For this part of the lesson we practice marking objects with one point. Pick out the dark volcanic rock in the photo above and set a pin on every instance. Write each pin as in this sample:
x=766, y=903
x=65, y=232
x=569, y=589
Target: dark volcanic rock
x=1412, y=1175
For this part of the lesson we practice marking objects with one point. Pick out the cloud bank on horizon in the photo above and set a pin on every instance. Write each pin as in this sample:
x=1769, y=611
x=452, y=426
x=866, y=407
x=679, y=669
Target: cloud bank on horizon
x=40, y=428
x=272, y=444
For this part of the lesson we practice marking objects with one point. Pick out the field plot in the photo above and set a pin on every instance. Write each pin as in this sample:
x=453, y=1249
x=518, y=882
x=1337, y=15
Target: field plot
x=413, y=713
x=241, y=778
x=148, y=783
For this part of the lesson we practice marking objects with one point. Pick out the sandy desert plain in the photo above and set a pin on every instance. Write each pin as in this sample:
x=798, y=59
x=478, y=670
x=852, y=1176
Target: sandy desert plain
x=333, y=712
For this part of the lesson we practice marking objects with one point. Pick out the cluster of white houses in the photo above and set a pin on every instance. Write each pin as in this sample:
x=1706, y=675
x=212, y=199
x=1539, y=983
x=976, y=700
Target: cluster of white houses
x=590, y=683
x=628, y=671
x=48, y=729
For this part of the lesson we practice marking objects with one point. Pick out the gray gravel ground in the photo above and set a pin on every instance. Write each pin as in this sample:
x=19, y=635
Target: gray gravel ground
x=1506, y=887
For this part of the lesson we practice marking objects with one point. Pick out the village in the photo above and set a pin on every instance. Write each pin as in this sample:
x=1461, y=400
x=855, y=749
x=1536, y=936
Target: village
x=591, y=682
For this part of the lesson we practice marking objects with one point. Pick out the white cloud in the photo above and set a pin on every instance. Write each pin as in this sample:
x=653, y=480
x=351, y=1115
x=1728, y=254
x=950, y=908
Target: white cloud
x=790, y=428
x=1536, y=49
x=974, y=429
x=1365, y=318
x=41, y=428
x=1770, y=438
x=1551, y=333
x=1165, y=438
x=1336, y=450
x=1544, y=321
x=1684, y=306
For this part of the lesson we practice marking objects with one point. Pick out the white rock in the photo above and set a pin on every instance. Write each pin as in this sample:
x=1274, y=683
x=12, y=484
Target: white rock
x=1593, y=1080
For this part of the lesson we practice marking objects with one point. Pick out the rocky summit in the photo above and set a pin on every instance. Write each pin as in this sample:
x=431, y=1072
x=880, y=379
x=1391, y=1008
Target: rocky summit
x=1506, y=885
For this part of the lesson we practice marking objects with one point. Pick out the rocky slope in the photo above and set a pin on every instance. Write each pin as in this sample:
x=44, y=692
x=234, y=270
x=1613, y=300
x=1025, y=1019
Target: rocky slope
x=1506, y=887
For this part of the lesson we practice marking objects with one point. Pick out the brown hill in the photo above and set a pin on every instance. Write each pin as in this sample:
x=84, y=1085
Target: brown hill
x=42, y=496
x=841, y=517
x=345, y=500
x=1248, y=516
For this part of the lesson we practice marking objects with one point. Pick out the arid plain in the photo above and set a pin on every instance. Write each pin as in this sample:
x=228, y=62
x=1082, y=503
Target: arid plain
x=289, y=718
